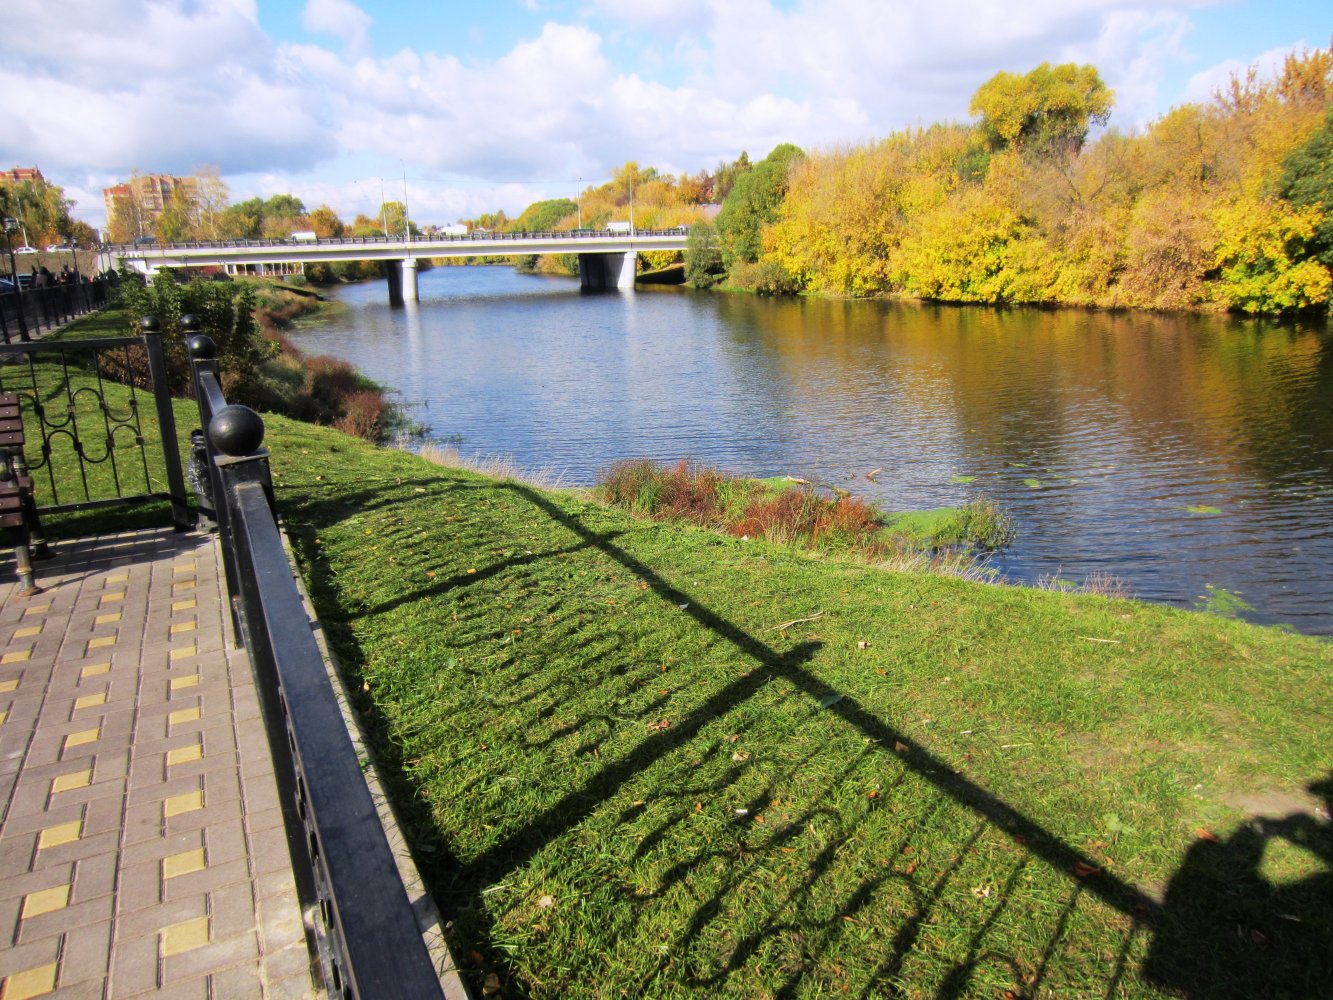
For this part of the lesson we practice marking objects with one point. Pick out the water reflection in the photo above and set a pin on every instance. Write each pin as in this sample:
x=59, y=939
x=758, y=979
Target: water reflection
x=1099, y=431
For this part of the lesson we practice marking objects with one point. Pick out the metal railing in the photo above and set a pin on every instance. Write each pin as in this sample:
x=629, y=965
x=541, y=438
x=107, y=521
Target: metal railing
x=475, y=235
x=26, y=310
x=369, y=939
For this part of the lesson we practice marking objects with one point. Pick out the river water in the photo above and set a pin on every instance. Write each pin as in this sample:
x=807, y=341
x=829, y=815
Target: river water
x=1098, y=432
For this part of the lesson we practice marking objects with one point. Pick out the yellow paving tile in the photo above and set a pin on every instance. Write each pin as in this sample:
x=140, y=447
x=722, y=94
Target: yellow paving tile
x=27, y=630
x=183, y=863
x=182, y=586
x=181, y=683
x=118, y=578
x=65, y=833
x=36, y=609
x=181, y=652
x=76, y=779
x=188, y=567
x=9, y=685
x=184, y=715
x=4, y=716
x=106, y=619
x=92, y=670
x=180, y=627
x=18, y=656
x=45, y=901
x=30, y=983
x=89, y=700
x=185, y=605
x=115, y=595
x=188, y=802
x=183, y=755
x=184, y=936
x=101, y=642
x=83, y=736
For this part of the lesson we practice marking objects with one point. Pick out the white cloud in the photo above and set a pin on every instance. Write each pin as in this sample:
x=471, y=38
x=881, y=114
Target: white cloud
x=164, y=85
x=340, y=18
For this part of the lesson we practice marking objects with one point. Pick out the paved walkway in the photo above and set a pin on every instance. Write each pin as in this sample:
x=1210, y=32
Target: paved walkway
x=142, y=847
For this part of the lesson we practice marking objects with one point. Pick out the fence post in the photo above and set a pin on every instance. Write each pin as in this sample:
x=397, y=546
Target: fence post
x=166, y=420
x=204, y=376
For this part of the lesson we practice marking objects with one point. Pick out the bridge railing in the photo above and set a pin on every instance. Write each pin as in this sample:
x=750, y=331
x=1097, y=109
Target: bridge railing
x=369, y=940
x=571, y=234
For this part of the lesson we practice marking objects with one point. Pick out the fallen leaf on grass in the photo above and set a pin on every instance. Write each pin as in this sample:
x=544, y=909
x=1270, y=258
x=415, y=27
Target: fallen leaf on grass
x=830, y=699
x=1084, y=870
x=698, y=807
x=1205, y=834
x=981, y=891
x=659, y=724
x=911, y=866
x=862, y=644
x=740, y=755
x=491, y=986
x=546, y=902
x=900, y=747
x=872, y=794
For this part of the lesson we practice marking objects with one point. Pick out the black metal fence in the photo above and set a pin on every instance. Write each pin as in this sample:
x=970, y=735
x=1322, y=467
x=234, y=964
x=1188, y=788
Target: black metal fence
x=26, y=310
x=88, y=447
x=370, y=942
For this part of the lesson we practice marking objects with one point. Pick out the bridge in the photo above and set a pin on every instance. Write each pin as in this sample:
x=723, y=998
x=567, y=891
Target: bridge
x=606, y=258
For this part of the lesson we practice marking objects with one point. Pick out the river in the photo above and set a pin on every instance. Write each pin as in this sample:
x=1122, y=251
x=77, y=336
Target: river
x=1190, y=457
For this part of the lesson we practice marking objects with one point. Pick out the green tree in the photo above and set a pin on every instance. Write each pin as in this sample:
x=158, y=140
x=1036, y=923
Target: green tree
x=1307, y=182
x=753, y=203
x=1049, y=108
x=703, y=256
x=242, y=221
x=542, y=216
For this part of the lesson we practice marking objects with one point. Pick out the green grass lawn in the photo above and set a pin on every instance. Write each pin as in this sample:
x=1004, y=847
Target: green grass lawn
x=647, y=760
x=643, y=759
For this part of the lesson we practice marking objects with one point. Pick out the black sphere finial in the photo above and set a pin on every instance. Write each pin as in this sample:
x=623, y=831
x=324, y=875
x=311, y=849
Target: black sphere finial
x=148, y=324
x=236, y=430
x=190, y=323
x=201, y=347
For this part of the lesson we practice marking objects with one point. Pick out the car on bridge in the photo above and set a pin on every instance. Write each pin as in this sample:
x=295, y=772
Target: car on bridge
x=57, y=247
x=25, y=249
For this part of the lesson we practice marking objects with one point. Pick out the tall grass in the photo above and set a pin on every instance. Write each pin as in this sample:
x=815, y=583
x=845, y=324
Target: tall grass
x=799, y=514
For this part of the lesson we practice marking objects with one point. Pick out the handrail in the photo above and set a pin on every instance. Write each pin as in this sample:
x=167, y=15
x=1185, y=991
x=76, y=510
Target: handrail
x=570, y=234
x=371, y=945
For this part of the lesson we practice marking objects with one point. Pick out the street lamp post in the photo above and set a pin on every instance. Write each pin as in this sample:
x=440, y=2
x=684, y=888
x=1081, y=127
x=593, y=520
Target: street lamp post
x=10, y=226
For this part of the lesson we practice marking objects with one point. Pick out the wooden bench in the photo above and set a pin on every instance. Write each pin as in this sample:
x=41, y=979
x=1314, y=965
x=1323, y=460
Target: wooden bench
x=18, y=507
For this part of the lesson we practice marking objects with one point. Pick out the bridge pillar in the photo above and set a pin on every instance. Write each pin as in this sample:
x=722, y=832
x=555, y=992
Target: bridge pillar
x=592, y=270
x=393, y=274
x=629, y=267
x=410, y=280
x=602, y=270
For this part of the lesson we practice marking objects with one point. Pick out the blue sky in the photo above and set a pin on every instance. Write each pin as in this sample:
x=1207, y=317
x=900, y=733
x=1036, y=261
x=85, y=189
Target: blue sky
x=494, y=105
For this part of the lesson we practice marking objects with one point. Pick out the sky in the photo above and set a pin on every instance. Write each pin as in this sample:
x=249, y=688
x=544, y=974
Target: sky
x=466, y=107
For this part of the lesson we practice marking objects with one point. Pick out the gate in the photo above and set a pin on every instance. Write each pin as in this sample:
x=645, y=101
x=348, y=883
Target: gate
x=98, y=427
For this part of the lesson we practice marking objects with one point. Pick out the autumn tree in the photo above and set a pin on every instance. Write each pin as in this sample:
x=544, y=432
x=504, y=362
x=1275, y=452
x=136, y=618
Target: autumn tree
x=325, y=223
x=1050, y=107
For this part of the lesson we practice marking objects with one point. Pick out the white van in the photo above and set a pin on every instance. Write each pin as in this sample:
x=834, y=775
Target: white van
x=617, y=227
x=306, y=236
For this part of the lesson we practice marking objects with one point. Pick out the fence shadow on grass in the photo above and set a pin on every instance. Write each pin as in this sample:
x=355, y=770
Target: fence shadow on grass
x=1223, y=929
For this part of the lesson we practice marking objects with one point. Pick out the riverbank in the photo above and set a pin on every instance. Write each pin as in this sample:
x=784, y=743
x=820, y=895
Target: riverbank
x=662, y=760
x=669, y=761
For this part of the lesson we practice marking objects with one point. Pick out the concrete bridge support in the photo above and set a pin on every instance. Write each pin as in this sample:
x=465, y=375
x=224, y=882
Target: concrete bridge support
x=410, y=280
x=393, y=274
x=608, y=270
